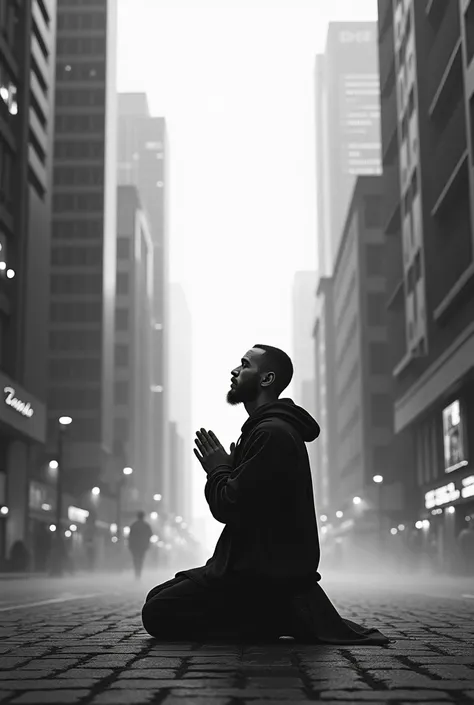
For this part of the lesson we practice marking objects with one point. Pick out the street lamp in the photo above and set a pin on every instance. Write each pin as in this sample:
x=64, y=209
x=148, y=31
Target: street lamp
x=57, y=562
x=157, y=497
x=126, y=472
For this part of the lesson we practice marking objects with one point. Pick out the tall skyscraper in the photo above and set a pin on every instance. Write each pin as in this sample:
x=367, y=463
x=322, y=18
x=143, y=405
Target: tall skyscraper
x=27, y=64
x=143, y=162
x=133, y=398
x=180, y=380
x=83, y=252
x=347, y=126
x=427, y=100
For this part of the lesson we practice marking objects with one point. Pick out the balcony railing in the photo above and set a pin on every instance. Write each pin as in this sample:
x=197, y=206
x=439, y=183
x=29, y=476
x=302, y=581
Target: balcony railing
x=391, y=189
x=386, y=60
x=451, y=146
x=389, y=120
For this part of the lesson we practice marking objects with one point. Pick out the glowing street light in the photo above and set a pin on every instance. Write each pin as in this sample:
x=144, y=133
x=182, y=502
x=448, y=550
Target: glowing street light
x=127, y=471
x=356, y=500
x=324, y=517
x=157, y=497
x=154, y=515
x=53, y=464
x=378, y=479
x=65, y=420
x=339, y=514
x=95, y=491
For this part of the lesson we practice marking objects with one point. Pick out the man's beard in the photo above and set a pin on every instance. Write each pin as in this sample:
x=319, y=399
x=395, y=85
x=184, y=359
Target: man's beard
x=240, y=395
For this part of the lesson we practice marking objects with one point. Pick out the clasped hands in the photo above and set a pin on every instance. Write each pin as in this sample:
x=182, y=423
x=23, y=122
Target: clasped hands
x=211, y=451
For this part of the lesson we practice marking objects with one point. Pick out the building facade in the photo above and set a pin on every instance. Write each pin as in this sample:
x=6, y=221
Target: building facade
x=180, y=343
x=133, y=396
x=426, y=83
x=83, y=251
x=27, y=70
x=347, y=127
x=143, y=161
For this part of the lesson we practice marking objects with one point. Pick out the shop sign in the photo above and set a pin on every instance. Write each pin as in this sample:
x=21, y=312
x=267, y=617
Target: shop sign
x=441, y=495
x=20, y=410
x=77, y=515
x=453, y=437
x=22, y=407
x=468, y=486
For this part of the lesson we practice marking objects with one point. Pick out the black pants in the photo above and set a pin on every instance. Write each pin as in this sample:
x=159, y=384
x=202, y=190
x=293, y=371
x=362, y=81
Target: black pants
x=138, y=560
x=180, y=609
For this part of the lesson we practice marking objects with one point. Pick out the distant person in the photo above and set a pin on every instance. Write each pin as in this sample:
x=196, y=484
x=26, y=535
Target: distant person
x=90, y=542
x=139, y=542
x=262, y=581
x=466, y=546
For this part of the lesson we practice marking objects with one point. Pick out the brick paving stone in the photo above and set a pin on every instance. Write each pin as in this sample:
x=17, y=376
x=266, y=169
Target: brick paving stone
x=44, y=684
x=157, y=662
x=173, y=700
x=149, y=673
x=51, y=696
x=125, y=697
x=5, y=695
x=399, y=695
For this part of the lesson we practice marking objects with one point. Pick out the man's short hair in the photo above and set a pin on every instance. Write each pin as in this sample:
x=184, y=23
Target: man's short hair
x=141, y=514
x=277, y=361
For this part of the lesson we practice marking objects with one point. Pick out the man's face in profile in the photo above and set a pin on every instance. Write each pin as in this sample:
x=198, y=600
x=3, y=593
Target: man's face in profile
x=245, y=385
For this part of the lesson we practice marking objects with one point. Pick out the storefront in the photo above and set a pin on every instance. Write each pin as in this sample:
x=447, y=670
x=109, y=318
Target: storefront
x=22, y=433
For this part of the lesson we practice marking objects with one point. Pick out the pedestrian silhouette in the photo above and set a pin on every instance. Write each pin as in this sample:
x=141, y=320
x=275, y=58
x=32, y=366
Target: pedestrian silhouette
x=139, y=542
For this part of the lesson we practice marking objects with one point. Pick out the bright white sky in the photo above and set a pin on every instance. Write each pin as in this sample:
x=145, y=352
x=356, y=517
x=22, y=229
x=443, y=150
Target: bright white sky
x=234, y=81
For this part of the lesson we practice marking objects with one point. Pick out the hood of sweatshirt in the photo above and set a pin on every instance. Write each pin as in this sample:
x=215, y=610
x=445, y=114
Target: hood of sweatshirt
x=288, y=411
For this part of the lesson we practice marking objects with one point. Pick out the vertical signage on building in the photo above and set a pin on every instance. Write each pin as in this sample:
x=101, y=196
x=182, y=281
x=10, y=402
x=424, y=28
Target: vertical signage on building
x=453, y=437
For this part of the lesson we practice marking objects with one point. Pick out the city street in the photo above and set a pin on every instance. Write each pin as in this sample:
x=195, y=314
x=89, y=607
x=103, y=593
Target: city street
x=80, y=640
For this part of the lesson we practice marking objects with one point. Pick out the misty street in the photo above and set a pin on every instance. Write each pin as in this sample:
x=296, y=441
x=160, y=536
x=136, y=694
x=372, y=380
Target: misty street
x=79, y=639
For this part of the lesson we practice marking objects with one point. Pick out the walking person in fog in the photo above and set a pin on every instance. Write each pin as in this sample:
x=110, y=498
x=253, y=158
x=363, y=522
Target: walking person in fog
x=139, y=542
x=262, y=581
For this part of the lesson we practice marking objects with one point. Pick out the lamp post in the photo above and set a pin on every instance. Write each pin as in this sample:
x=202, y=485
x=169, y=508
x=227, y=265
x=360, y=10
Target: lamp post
x=125, y=473
x=378, y=479
x=57, y=563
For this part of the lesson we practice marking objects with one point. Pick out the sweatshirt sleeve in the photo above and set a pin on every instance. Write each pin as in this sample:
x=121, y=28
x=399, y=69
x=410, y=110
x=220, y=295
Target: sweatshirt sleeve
x=230, y=492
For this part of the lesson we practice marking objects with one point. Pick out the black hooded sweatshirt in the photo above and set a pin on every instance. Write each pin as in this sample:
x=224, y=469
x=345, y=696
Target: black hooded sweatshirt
x=266, y=503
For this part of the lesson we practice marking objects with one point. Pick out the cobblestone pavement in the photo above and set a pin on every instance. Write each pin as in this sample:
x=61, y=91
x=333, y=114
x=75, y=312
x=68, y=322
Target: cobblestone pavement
x=94, y=650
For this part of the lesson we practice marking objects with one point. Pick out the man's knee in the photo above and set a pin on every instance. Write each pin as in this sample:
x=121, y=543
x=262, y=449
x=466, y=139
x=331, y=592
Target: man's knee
x=157, y=616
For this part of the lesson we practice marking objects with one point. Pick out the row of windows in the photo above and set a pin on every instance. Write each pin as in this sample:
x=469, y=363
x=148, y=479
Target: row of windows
x=121, y=392
x=80, y=123
x=375, y=260
x=73, y=398
x=76, y=283
x=121, y=355
x=81, y=45
x=122, y=283
x=90, y=149
x=76, y=256
x=77, y=340
x=82, y=202
x=381, y=410
x=6, y=175
x=80, y=229
x=85, y=97
x=75, y=369
x=121, y=319
x=84, y=71
x=79, y=175
x=83, y=20
x=376, y=309
x=378, y=360
x=76, y=311
x=373, y=211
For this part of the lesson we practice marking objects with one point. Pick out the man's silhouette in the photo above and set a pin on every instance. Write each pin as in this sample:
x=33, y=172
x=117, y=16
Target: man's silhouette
x=262, y=581
x=139, y=542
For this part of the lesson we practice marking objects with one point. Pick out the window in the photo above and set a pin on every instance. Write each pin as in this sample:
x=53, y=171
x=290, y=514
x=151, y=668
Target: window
x=77, y=256
x=373, y=214
x=376, y=310
x=76, y=312
x=78, y=149
x=378, y=358
x=79, y=369
x=76, y=283
x=75, y=340
x=85, y=202
x=375, y=258
x=81, y=46
x=121, y=319
x=122, y=285
x=121, y=355
x=80, y=123
x=121, y=393
x=80, y=398
x=86, y=429
x=81, y=71
x=80, y=229
x=84, y=20
x=123, y=247
x=469, y=22
x=381, y=410
x=82, y=176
